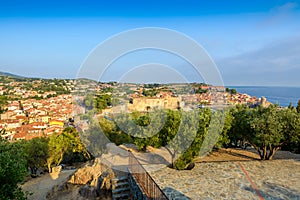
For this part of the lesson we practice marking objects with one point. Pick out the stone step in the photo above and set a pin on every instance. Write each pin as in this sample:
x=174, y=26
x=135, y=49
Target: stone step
x=119, y=179
x=123, y=196
x=121, y=184
x=121, y=190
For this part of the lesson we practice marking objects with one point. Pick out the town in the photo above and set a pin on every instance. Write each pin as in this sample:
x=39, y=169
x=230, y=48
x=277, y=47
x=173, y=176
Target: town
x=41, y=107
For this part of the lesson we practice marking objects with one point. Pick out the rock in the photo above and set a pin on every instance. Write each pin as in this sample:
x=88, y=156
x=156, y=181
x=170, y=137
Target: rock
x=95, y=179
x=82, y=176
x=190, y=166
x=57, y=169
x=88, y=192
x=105, y=180
x=87, y=174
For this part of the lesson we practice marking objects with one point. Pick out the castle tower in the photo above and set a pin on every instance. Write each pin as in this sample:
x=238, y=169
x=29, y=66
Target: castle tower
x=263, y=102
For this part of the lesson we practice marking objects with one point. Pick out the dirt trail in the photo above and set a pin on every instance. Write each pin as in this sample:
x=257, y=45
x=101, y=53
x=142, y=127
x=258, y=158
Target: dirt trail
x=42, y=185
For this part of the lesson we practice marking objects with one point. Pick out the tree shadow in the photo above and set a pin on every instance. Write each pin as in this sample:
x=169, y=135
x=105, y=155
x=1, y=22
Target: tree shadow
x=151, y=158
x=239, y=155
x=276, y=192
x=171, y=193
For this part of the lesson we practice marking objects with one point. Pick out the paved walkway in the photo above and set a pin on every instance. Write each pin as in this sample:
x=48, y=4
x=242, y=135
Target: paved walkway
x=277, y=179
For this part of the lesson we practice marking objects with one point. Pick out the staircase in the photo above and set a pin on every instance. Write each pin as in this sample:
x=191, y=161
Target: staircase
x=120, y=188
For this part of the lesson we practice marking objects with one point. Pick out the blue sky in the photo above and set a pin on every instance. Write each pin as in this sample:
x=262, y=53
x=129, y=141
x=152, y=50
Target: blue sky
x=251, y=42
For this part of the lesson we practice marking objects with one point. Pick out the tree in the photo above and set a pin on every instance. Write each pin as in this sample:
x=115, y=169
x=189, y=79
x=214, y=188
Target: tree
x=139, y=127
x=272, y=128
x=291, y=130
x=95, y=140
x=231, y=91
x=89, y=101
x=224, y=126
x=113, y=133
x=64, y=144
x=12, y=170
x=58, y=146
x=36, y=153
x=240, y=126
x=181, y=132
x=181, y=147
x=102, y=101
x=215, y=135
x=298, y=106
x=170, y=128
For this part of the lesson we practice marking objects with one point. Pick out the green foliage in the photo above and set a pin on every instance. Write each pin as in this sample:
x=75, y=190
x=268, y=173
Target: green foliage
x=170, y=128
x=95, y=140
x=150, y=92
x=291, y=130
x=211, y=132
x=183, y=161
x=153, y=85
x=3, y=103
x=12, y=170
x=137, y=124
x=240, y=126
x=98, y=102
x=64, y=146
x=89, y=101
x=113, y=133
x=181, y=133
x=36, y=153
x=182, y=146
x=267, y=129
x=103, y=101
x=231, y=91
x=200, y=90
x=298, y=106
x=225, y=126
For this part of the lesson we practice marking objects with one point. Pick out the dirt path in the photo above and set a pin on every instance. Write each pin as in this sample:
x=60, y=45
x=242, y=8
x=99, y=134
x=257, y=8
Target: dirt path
x=42, y=185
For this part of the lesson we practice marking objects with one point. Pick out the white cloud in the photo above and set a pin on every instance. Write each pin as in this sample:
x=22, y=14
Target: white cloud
x=279, y=15
x=287, y=7
x=273, y=64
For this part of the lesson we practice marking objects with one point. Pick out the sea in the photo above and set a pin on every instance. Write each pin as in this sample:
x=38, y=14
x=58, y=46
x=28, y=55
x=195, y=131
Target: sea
x=274, y=94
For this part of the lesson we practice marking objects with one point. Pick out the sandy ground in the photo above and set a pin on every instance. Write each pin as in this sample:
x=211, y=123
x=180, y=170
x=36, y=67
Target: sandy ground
x=40, y=186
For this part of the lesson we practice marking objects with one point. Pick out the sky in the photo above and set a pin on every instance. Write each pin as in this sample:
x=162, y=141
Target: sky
x=251, y=42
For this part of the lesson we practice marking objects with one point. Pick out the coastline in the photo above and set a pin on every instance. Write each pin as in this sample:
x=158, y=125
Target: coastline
x=282, y=95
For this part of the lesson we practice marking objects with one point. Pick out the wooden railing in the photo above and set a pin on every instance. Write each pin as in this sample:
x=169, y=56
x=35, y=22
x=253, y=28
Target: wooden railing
x=145, y=181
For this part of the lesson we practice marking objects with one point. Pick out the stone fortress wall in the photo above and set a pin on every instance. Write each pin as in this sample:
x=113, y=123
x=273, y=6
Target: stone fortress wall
x=143, y=104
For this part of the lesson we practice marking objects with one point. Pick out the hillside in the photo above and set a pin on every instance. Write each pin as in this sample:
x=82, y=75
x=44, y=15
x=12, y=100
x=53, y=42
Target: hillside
x=10, y=75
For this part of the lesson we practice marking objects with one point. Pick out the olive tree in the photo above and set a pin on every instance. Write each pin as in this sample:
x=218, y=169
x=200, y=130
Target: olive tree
x=36, y=153
x=272, y=127
x=60, y=145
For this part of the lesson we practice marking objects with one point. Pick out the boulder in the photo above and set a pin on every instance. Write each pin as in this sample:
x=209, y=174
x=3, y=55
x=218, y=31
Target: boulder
x=87, y=174
x=95, y=179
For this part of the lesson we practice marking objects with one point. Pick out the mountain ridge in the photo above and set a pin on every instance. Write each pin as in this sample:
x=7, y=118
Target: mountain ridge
x=10, y=75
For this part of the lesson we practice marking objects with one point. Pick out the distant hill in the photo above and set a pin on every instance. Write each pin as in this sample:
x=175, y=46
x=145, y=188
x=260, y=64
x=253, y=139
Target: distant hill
x=10, y=75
